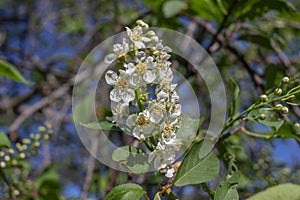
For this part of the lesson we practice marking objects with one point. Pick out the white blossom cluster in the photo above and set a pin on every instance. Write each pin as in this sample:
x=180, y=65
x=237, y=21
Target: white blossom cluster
x=143, y=97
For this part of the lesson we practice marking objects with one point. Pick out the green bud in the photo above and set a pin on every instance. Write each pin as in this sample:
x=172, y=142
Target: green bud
x=2, y=164
x=46, y=137
x=37, y=144
x=6, y=158
x=14, y=162
x=48, y=125
x=11, y=151
x=42, y=129
x=285, y=79
x=278, y=91
x=22, y=155
x=150, y=33
x=37, y=136
x=262, y=116
x=284, y=110
x=278, y=106
x=16, y=192
x=2, y=154
x=292, y=98
x=139, y=22
x=263, y=98
x=26, y=141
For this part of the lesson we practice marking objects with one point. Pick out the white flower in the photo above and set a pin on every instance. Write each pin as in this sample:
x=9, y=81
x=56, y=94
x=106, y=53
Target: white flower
x=120, y=112
x=157, y=111
x=122, y=91
x=142, y=126
x=175, y=109
x=146, y=82
x=136, y=36
x=120, y=51
x=111, y=77
x=170, y=173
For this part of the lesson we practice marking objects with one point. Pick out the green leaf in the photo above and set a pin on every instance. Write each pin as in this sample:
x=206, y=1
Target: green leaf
x=271, y=118
x=104, y=125
x=9, y=71
x=286, y=191
x=49, y=174
x=207, y=9
x=129, y=191
x=189, y=128
x=132, y=158
x=272, y=76
x=172, y=8
x=4, y=141
x=235, y=101
x=196, y=169
x=226, y=191
x=288, y=130
x=259, y=39
x=256, y=8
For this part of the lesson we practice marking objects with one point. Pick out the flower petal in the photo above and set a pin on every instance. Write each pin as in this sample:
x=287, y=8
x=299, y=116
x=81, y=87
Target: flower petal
x=111, y=77
x=115, y=95
x=110, y=58
x=149, y=76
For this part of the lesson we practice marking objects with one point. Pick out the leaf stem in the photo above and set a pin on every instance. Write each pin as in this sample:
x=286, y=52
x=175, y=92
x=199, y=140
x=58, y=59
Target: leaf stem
x=139, y=99
x=210, y=192
x=146, y=196
x=171, y=194
x=256, y=105
x=252, y=134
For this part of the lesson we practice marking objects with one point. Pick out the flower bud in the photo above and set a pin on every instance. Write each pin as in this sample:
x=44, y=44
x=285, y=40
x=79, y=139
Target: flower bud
x=46, y=137
x=262, y=116
x=292, y=98
x=16, y=192
x=2, y=164
x=284, y=110
x=263, y=98
x=6, y=158
x=48, y=125
x=139, y=22
x=11, y=151
x=285, y=79
x=278, y=91
x=42, y=129
x=278, y=106
x=14, y=162
x=22, y=155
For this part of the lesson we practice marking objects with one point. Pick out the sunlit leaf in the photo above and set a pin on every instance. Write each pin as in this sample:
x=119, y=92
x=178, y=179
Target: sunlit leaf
x=206, y=9
x=129, y=191
x=258, y=39
x=4, y=141
x=226, y=191
x=288, y=130
x=255, y=8
x=104, y=125
x=286, y=191
x=172, y=8
x=188, y=130
x=271, y=118
x=9, y=71
x=196, y=169
x=132, y=158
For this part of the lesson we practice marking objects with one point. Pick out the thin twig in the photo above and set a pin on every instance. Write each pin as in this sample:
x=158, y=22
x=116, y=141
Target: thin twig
x=89, y=171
